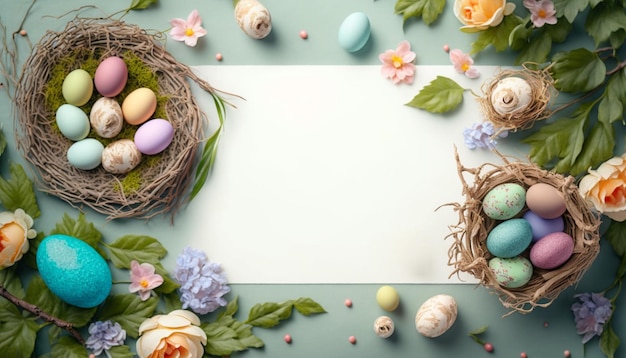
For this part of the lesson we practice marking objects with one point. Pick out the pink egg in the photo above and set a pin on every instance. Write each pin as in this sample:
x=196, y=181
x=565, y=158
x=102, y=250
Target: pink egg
x=154, y=136
x=552, y=251
x=111, y=76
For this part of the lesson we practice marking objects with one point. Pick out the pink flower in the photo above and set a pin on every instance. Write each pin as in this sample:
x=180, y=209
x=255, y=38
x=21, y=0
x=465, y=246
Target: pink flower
x=463, y=63
x=143, y=279
x=541, y=12
x=398, y=65
x=188, y=31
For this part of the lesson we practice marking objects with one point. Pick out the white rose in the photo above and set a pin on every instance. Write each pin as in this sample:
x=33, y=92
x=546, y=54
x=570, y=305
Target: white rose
x=173, y=335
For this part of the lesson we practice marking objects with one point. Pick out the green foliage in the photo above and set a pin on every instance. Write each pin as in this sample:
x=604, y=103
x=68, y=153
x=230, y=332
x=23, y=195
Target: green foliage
x=67, y=347
x=616, y=235
x=135, y=247
x=441, y=95
x=428, y=10
x=609, y=341
x=578, y=70
x=129, y=311
x=496, y=36
x=569, y=8
x=17, y=192
x=606, y=18
x=3, y=142
x=141, y=4
x=122, y=351
x=17, y=334
x=270, y=314
x=82, y=229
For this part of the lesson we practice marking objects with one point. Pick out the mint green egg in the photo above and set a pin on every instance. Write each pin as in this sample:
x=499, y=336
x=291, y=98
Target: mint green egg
x=77, y=87
x=511, y=272
x=85, y=154
x=72, y=122
x=504, y=201
x=354, y=32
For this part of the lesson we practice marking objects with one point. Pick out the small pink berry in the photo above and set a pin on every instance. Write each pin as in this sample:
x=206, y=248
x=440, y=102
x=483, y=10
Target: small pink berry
x=545, y=324
x=567, y=353
x=488, y=347
x=348, y=302
x=219, y=57
x=287, y=338
x=304, y=35
x=23, y=32
x=446, y=48
x=352, y=339
x=523, y=355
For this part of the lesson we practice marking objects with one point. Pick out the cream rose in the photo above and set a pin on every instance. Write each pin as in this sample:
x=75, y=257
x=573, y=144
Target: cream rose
x=15, y=230
x=605, y=188
x=173, y=335
x=479, y=15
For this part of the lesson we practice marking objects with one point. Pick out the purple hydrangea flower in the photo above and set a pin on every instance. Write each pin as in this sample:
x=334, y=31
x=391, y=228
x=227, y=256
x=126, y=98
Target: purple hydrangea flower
x=480, y=135
x=103, y=336
x=202, y=283
x=590, y=314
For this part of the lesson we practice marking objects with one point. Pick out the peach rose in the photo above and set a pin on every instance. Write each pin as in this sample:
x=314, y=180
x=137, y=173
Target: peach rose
x=605, y=188
x=173, y=335
x=479, y=15
x=15, y=230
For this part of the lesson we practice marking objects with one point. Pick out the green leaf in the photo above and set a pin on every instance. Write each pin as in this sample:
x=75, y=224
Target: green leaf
x=617, y=38
x=307, y=306
x=10, y=280
x=597, y=148
x=569, y=8
x=537, y=50
x=18, y=336
x=122, y=351
x=615, y=234
x=497, y=36
x=269, y=314
x=172, y=301
x=17, y=192
x=479, y=330
x=129, y=311
x=441, y=95
x=141, y=4
x=559, y=31
x=82, y=229
x=578, y=70
x=609, y=341
x=221, y=340
x=67, y=347
x=519, y=36
x=231, y=308
x=605, y=19
x=135, y=247
x=245, y=336
x=613, y=102
x=30, y=258
x=429, y=10
x=168, y=285
x=3, y=142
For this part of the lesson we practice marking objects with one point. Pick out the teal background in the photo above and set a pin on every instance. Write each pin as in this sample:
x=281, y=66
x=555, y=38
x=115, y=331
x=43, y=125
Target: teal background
x=324, y=335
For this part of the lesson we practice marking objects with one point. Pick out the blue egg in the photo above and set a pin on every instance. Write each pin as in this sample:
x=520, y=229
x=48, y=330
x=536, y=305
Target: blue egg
x=354, y=32
x=542, y=227
x=73, y=270
x=509, y=238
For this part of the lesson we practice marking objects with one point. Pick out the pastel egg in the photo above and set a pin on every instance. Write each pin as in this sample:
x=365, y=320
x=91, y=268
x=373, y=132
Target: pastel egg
x=154, y=136
x=542, y=227
x=545, y=200
x=120, y=157
x=354, y=32
x=111, y=76
x=436, y=315
x=85, y=154
x=106, y=117
x=504, y=201
x=509, y=238
x=511, y=272
x=552, y=251
x=387, y=298
x=139, y=106
x=77, y=87
x=72, y=122
x=73, y=270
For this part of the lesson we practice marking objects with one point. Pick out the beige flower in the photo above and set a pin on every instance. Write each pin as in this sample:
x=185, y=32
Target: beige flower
x=605, y=188
x=15, y=230
x=173, y=335
x=479, y=15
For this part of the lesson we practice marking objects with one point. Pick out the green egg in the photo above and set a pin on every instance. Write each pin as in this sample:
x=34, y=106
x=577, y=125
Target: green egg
x=511, y=272
x=77, y=87
x=504, y=201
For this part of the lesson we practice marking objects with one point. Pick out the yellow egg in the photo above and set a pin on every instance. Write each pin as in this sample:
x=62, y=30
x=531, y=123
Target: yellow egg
x=387, y=298
x=139, y=106
x=77, y=87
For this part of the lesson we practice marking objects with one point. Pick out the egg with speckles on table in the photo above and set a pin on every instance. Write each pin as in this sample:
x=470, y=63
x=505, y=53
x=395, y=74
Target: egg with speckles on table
x=73, y=270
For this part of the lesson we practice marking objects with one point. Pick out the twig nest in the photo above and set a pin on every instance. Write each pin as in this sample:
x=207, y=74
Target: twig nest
x=511, y=94
x=253, y=18
x=384, y=327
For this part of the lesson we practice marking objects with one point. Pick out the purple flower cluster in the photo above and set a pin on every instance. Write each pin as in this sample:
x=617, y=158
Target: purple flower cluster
x=480, y=135
x=202, y=283
x=590, y=314
x=103, y=336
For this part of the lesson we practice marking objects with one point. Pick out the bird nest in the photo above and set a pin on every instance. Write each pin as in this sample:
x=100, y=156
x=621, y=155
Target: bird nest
x=468, y=252
x=159, y=183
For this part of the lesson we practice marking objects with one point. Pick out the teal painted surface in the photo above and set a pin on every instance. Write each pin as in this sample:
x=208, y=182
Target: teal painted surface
x=326, y=335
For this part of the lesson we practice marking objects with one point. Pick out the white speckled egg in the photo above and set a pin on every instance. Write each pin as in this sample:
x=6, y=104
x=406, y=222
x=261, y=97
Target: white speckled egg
x=85, y=154
x=436, y=315
x=120, y=157
x=106, y=117
x=504, y=201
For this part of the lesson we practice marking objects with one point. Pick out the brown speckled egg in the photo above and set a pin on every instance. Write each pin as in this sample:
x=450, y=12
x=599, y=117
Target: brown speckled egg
x=120, y=157
x=436, y=315
x=106, y=117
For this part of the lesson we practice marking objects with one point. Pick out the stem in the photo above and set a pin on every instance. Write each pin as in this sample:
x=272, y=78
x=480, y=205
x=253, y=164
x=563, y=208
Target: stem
x=41, y=314
x=617, y=68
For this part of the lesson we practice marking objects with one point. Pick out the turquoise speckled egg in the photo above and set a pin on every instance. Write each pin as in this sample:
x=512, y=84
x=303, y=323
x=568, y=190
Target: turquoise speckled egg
x=73, y=270
x=354, y=32
x=504, y=201
x=511, y=272
x=509, y=238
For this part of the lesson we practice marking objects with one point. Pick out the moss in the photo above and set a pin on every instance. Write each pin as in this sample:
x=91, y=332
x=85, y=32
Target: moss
x=131, y=182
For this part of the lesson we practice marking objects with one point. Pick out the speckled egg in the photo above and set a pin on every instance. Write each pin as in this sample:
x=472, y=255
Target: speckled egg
x=504, y=201
x=72, y=122
x=111, y=76
x=73, y=270
x=509, y=238
x=542, y=227
x=106, y=117
x=354, y=32
x=545, y=200
x=552, y=251
x=77, y=87
x=139, y=106
x=120, y=157
x=387, y=298
x=436, y=315
x=85, y=154
x=511, y=272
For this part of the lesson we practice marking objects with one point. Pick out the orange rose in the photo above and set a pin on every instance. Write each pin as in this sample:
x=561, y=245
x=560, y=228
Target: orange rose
x=605, y=188
x=15, y=230
x=173, y=335
x=479, y=15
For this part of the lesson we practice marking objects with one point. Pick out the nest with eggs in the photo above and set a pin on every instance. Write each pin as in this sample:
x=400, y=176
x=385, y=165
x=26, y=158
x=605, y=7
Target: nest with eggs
x=158, y=185
x=468, y=252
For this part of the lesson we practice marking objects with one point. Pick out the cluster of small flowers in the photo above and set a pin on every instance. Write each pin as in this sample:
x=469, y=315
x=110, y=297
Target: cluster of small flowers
x=481, y=135
x=103, y=336
x=590, y=314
